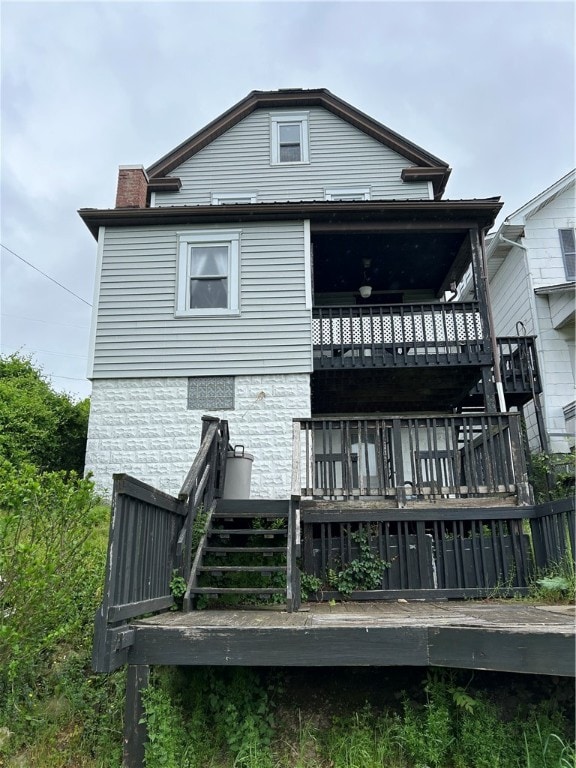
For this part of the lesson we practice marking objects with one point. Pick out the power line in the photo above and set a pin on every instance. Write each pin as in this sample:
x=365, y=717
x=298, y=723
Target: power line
x=44, y=274
x=43, y=351
x=45, y=322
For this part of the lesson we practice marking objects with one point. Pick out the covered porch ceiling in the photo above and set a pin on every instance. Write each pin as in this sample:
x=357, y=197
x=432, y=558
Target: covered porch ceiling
x=399, y=261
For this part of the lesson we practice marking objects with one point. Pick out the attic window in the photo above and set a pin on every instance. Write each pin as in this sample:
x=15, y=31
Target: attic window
x=568, y=244
x=228, y=198
x=208, y=273
x=348, y=194
x=289, y=138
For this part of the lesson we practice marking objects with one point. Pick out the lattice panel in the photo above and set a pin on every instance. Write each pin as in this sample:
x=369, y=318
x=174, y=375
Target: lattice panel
x=429, y=327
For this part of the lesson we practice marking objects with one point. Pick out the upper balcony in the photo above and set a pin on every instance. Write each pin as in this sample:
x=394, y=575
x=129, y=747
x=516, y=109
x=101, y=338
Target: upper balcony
x=399, y=335
x=394, y=358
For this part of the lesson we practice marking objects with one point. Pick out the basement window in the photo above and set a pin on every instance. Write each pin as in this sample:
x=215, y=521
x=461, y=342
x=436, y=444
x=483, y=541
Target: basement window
x=289, y=138
x=208, y=264
x=568, y=245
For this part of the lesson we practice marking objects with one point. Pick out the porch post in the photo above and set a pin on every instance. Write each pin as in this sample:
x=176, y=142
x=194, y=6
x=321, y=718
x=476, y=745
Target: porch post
x=135, y=732
x=483, y=297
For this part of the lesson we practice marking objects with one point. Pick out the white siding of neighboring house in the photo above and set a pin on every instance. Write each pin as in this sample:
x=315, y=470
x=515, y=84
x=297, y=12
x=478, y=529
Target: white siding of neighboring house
x=143, y=427
x=340, y=156
x=138, y=335
x=513, y=299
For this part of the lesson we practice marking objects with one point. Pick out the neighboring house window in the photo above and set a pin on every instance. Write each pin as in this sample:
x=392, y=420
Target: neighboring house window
x=567, y=241
x=211, y=393
x=348, y=194
x=289, y=140
x=208, y=273
x=226, y=198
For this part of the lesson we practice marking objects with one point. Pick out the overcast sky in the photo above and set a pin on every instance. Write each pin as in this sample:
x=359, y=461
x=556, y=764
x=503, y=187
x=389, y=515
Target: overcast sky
x=87, y=86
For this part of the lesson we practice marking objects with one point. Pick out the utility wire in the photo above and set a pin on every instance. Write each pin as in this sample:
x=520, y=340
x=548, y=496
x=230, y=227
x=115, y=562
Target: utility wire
x=43, y=351
x=44, y=322
x=44, y=274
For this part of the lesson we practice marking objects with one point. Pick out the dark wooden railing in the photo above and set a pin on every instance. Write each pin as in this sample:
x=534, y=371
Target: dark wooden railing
x=399, y=334
x=411, y=457
x=553, y=526
x=442, y=553
x=518, y=367
x=519, y=364
x=150, y=538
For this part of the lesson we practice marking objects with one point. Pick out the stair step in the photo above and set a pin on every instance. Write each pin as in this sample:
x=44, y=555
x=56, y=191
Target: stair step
x=238, y=591
x=248, y=531
x=248, y=514
x=251, y=508
x=240, y=550
x=241, y=568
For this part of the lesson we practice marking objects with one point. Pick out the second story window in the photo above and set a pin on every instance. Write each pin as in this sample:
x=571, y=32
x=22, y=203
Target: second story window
x=289, y=138
x=568, y=245
x=208, y=273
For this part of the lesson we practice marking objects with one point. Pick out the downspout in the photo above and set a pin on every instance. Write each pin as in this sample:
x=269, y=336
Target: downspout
x=495, y=350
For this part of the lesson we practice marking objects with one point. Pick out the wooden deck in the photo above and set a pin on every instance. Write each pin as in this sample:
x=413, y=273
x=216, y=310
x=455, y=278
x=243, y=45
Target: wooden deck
x=488, y=635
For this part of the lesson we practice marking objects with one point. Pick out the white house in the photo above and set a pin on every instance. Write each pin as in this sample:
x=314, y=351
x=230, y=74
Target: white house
x=228, y=283
x=531, y=268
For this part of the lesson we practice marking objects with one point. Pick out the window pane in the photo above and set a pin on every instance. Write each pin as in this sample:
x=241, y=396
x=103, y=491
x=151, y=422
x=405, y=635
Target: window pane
x=290, y=153
x=289, y=133
x=209, y=294
x=567, y=241
x=209, y=260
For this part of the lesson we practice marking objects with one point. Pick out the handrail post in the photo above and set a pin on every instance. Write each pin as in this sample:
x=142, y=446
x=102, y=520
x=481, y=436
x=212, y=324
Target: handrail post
x=296, y=460
x=524, y=493
x=398, y=463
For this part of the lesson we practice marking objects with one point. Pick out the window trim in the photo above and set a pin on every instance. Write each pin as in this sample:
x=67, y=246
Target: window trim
x=229, y=198
x=186, y=241
x=570, y=274
x=282, y=118
x=339, y=193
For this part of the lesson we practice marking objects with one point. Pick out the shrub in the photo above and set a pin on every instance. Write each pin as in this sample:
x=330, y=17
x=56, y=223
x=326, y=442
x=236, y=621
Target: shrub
x=37, y=425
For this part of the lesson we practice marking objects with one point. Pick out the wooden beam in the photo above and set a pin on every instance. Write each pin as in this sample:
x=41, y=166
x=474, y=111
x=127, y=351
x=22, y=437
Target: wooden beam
x=291, y=647
x=537, y=652
x=135, y=731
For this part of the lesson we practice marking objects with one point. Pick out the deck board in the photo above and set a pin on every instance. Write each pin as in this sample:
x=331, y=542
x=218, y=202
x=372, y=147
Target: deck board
x=505, y=636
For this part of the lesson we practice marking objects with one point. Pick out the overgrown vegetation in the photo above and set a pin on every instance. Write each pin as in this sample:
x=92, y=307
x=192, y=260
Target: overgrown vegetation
x=318, y=719
x=38, y=425
x=53, y=535
x=552, y=475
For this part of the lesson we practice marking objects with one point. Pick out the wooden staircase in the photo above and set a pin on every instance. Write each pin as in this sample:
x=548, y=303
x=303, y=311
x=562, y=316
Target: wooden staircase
x=242, y=556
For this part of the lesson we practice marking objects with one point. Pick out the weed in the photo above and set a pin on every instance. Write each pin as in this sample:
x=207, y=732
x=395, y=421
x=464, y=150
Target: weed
x=178, y=589
x=364, y=572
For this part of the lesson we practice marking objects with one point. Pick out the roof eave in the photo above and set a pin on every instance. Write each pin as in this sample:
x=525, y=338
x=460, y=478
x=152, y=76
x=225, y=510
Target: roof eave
x=458, y=213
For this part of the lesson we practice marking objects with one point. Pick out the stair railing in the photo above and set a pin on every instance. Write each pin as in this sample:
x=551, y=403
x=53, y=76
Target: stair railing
x=150, y=538
x=203, y=484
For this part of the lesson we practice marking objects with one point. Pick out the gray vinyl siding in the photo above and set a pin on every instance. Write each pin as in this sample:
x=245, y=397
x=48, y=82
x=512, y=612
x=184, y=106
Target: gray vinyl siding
x=138, y=335
x=340, y=156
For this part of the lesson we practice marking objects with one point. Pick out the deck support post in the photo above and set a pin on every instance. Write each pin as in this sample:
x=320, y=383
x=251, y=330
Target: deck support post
x=489, y=390
x=135, y=731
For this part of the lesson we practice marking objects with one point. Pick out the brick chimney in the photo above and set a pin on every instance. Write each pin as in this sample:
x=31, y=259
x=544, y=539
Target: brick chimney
x=132, y=191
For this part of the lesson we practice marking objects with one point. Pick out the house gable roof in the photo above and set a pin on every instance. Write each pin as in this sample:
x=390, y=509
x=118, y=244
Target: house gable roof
x=427, y=167
x=544, y=198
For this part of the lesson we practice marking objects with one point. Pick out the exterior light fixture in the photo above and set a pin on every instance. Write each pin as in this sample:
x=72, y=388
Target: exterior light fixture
x=366, y=289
